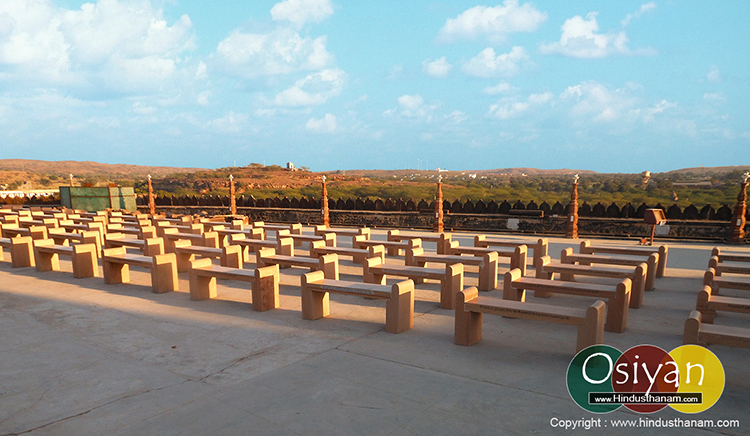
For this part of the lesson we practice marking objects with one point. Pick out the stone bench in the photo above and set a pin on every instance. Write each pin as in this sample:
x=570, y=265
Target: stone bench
x=47, y=257
x=728, y=268
x=264, y=282
x=341, y=231
x=283, y=245
x=162, y=226
x=540, y=246
x=699, y=333
x=393, y=248
x=229, y=256
x=62, y=237
x=149, y=247
x=328, y=238
x=618, y=297
x=442, y=240
x=470, y=307
x=399, y=305
x=328, y=263
x=708, y=304
x=226, y=235
x=451, y=277
x=567, y=256
x=319, y=248
x=180, y=221
x=293, y=229
x=116, y=266
x=21, y=251
x=717, y=282
x=10, y=230
x=731, y=256
x=71, y=227
x=545, y=269
x=207, y=239
x=50, y=223
x=141, y=232
x=644, y=252
x=487, y=264
x=517, y=257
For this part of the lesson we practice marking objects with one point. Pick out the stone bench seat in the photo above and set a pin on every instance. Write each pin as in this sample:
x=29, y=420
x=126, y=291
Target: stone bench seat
x=451, y=277
x=470, y=308
x=10, y=230
x=143, y=232
x=21, y=251
x=50, y=223
x=442, y=240
x=399, y=306
x=318, y=248
x=393, y=248
x=717, y=282
x=264, y=282
x=663, y=251
x=699, y=333
x=116, y=266
x=328, y=238
x=229, y=256
x=540, y=246
x=730, y=257
x=618, y=297
x=149, y=247
x=545, y=269
x=343, y=231
x=708, y=304
x=84, y=257
x=487, y=263
x=62, y=237
x=567, y=256
x=283, y=245
x=71, y=227
x=328, y=263
x=207, y=239
x=728, y=267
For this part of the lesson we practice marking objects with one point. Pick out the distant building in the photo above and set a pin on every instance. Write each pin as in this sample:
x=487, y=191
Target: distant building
x=290, y=167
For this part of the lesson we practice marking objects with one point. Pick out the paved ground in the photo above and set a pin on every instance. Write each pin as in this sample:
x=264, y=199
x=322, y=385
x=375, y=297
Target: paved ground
x=78, y=357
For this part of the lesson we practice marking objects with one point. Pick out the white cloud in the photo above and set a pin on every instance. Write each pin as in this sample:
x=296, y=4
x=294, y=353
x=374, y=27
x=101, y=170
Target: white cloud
x=327, y=124
x=282, y=51
x=437, y=68
x=594, y=100
x=580, y=38
x=496, y=23
x=413, y=106
x=500, y=88
x=650, y=113
x=121, y=46
x=410, y=103
x=510, y=108
x=715, y=97
x=646, y=7
x=231, y=123
x=301, y=12
x=488, y=64
x=714, y=75
x=314, y=89
x=203, y=97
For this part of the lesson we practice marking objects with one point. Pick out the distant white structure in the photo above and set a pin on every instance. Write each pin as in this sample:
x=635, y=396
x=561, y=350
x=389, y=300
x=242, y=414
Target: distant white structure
x=290, y=166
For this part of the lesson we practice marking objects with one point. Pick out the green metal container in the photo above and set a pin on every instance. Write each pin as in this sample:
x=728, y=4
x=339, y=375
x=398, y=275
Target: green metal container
x=96, y=199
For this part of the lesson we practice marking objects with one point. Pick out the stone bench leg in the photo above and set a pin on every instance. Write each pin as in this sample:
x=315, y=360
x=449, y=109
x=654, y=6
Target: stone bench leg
x=201, y=287
x=509, y=291
x=451, y=284
x=704, y=296
x=315, y=305
x=692, y=329
x=183, y=261
x=399, y=309
x=519, y=259
x=296, y=229
x=285, y=247
x=467, y=325
x=164, y=273
x=265, y=290
x=652, y=262
x=542, y=274
x=21, y=252
x=591, y=332
x=90, y=237
x=488, y=272
x=329, y=264
x=231, y=256
x=46, y=261
x=639, y=286
x=617, y=308
x=370, y=277
x=115, y=272
x=85, y=262
x=153, y=246
x=663, y=253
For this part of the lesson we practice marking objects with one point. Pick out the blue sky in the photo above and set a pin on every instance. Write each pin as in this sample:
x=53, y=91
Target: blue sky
x=621, y=86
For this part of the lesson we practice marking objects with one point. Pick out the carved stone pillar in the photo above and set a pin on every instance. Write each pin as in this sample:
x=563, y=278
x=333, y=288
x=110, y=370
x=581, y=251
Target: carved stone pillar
x=438, y=223
x=324, y=205
x=571, y=232
x=738, y=220
x=151, y=202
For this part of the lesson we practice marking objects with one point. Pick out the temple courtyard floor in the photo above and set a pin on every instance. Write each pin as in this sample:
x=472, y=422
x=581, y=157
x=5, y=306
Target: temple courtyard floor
x=79, y=357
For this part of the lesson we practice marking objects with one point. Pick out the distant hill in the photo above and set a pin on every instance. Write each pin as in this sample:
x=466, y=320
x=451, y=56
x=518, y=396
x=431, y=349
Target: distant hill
x=87, y=168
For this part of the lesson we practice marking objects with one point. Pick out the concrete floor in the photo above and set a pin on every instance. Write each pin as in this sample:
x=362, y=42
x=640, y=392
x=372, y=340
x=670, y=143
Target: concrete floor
x=78, y=357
